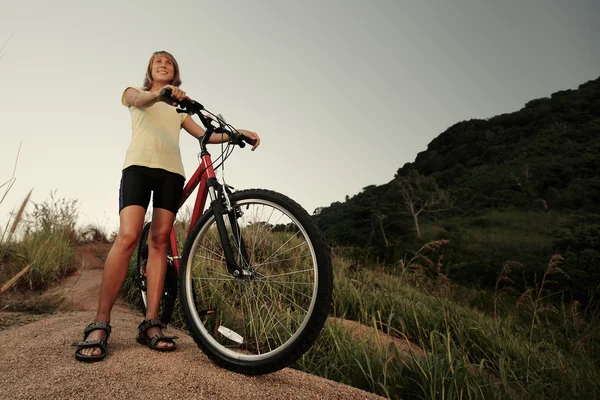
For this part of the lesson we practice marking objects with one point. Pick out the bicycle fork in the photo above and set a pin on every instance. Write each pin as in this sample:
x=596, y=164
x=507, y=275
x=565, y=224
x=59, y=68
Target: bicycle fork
x=222, y=206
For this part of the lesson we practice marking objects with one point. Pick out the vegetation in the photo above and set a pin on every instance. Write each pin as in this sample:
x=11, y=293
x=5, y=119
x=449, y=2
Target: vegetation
x=493, y=296
x=38, y=246
x=420, y=194
x=524, y=185
x=511, y=345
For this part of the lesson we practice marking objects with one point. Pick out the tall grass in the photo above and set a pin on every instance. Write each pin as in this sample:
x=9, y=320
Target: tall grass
x=7, y=233
x=44, y=251
x=543, y=351
x=503, y=344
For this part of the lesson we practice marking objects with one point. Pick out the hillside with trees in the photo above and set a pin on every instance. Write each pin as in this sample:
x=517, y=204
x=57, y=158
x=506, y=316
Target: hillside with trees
x=520, y=186
x=472, y=274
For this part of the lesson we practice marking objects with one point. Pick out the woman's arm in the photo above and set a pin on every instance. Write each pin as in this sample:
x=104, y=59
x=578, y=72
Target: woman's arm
x=147, y=99
x=140, y=100
x=197, y=131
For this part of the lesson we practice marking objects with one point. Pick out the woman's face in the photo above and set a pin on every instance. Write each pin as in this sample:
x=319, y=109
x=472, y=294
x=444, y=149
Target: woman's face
x=163, y=69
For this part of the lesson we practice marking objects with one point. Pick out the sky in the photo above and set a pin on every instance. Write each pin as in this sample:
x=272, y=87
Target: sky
x=342, y=93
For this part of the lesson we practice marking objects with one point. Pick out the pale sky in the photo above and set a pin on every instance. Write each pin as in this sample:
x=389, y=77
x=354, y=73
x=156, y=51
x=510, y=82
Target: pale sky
x=343, y=93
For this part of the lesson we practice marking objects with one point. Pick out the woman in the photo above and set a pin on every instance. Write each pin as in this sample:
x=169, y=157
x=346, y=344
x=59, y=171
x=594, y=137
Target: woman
x=152, y=164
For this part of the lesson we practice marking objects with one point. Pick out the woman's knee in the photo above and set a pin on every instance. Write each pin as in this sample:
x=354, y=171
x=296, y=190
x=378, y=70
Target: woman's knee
x=159, y=238
x=128, y=239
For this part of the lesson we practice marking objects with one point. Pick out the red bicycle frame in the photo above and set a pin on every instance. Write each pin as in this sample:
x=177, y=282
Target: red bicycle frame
x=205, y=177
x=204, y=171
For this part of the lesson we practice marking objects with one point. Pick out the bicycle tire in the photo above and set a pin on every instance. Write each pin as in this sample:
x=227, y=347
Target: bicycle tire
x=169, y=297
x=205, y=333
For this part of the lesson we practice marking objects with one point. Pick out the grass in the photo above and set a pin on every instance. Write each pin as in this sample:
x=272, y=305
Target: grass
x=40, y=244
x=476, y=344
x=36, y=249
x=479, y=245
x=507, y=343
x=542, y=351
x=50, y=254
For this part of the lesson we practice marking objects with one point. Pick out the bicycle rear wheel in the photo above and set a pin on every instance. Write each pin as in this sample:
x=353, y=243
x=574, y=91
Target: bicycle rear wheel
x=265, y=319
x=169, y=296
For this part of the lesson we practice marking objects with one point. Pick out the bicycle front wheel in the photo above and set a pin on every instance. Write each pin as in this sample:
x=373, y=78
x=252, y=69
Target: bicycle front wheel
x=264, y=319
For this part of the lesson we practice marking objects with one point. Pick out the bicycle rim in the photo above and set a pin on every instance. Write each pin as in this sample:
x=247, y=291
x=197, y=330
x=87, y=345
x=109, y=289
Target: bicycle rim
x=256, y=317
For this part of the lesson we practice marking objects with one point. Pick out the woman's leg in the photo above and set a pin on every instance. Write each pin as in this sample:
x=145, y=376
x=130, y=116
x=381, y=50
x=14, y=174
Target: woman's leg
x=156, y=268
x=115, y=268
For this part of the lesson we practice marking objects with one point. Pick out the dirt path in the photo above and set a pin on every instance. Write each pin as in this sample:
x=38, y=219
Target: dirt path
x=36, y=361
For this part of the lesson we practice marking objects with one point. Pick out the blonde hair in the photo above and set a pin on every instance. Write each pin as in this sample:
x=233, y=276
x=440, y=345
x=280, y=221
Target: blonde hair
x=148, y=78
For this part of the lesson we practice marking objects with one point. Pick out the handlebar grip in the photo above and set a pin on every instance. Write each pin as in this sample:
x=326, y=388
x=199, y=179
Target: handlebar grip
x=186, y=103
x=251, y=142
x=241, y=140
x=165, y=92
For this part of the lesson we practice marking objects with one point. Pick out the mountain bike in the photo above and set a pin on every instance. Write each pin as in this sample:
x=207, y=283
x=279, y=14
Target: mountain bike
x=255, y=279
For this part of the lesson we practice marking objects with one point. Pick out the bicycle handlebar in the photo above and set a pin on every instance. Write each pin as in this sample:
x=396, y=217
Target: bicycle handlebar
x=193, y=107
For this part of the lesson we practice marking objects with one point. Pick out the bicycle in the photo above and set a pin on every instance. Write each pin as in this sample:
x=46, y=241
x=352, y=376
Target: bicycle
x=255, y=280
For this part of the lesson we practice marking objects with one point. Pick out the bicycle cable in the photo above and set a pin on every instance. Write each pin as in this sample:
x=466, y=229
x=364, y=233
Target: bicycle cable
x=225, y=152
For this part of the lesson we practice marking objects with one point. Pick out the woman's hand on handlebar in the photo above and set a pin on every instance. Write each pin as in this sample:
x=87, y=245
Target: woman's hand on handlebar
x=253, y=136
x=176, y=95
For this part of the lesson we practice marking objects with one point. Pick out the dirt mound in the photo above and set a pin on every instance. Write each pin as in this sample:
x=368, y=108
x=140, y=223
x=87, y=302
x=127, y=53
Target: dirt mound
x=363, y=332
x=36, y=361
x=92, y=255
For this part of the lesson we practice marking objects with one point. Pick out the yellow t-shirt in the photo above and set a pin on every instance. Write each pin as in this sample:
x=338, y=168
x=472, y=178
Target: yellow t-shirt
x=155, y=137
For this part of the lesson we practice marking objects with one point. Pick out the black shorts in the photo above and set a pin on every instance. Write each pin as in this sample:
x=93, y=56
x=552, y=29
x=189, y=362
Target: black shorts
x=138, y=182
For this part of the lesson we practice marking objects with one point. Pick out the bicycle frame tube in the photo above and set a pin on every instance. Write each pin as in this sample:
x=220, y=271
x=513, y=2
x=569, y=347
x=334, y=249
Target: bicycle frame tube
x=204, y=172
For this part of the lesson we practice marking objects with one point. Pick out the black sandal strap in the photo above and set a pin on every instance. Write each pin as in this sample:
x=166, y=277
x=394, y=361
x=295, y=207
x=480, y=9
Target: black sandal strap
x=158, y=338
x=147, y=324
x=94, y=326
x=91, y=343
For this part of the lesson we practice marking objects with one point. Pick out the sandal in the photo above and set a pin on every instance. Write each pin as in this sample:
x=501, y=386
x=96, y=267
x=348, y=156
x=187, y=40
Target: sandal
x=142, y=338
x=94, y=326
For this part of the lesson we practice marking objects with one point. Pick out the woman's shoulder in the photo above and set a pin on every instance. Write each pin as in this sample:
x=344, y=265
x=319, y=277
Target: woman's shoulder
x=138, y=89
x=123, y=96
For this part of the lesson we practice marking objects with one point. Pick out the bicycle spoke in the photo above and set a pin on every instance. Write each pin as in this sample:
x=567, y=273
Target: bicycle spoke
x=282, y=246
x=286, y=297
x=260, y=317
x=252, y=319
x=208, y=258
x=295, y=290
x=270, y=306
x=263, y=325
x=295, y=283
x=284, y=274
x=285, y=259
x=270, y=230
x=200, y=278
x=221, y=257
x=277, y=319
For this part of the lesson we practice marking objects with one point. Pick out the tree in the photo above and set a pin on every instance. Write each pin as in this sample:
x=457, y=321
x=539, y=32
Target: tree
x=527, y=185
x=422, y=194
x=381, y=217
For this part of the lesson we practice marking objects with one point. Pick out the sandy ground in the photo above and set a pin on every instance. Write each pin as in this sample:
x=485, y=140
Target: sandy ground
x=36, y=362
x=36, y=359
